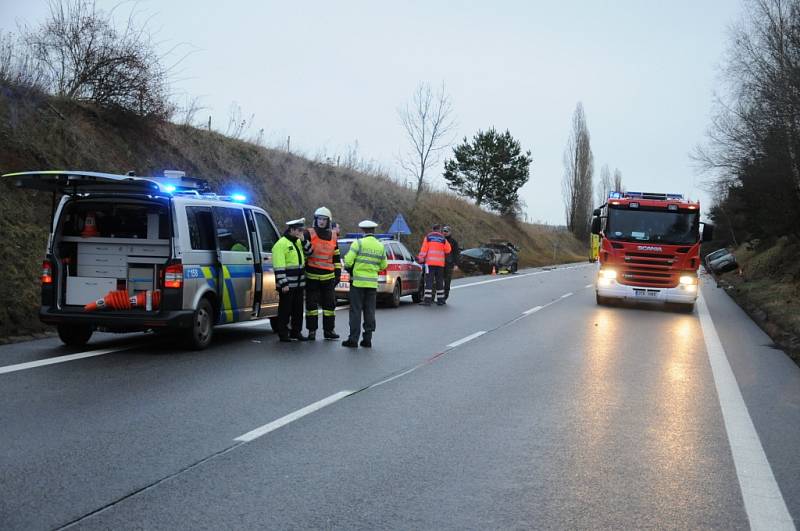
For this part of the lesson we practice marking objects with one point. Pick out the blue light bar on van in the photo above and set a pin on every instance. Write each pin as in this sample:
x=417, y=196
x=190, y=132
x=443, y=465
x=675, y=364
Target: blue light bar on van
x=615, y=195
x=238, y=198
x=168, y=188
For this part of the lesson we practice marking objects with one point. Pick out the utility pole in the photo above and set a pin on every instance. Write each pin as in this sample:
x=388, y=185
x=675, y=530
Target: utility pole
x=209, y=122
x=289, y=144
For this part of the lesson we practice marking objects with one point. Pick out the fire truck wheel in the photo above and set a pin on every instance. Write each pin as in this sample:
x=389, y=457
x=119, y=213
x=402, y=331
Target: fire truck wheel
x=74, y=335
x=603, y=301
x=681, y=307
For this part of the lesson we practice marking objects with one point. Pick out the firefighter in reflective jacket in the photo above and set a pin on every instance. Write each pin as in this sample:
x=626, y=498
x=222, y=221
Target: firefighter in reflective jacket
x=288, y=260
x=433, y=254
x=323, y=270
x=364, y=260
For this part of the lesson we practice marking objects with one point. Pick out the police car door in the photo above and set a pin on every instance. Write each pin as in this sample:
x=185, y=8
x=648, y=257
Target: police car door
x=236, y=272
x=267, y=236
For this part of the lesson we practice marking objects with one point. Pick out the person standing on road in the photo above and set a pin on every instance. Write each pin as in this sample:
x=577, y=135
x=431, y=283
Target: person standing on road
x=323, y=271
x=433, y=255
x=450, y=260
x=288, y=260
x=364, y=260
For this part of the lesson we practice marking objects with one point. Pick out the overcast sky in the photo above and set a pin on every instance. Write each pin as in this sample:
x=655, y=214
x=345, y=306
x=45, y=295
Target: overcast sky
x=333, y=73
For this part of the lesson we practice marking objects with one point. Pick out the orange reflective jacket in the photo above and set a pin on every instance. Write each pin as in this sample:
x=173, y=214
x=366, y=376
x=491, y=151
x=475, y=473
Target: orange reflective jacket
x=321, y=251
x=435, y=248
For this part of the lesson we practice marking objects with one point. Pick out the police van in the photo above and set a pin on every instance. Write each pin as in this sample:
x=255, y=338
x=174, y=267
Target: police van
x=131, y=253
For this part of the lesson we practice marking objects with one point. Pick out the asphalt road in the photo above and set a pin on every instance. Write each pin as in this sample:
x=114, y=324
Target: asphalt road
x=560, y=414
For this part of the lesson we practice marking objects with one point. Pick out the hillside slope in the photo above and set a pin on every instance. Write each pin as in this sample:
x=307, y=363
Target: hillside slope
x=43, y=133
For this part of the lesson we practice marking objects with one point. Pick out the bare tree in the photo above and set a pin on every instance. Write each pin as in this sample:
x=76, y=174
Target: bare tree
x=238, y=124
x=428, y=124
x=617, y=185
x=577, y=181
x=80, y=54
x=17, y=65
x=603, y=186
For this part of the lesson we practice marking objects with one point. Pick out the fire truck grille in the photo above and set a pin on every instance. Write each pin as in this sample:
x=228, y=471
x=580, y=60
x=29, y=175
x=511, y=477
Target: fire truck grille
x=649, y=269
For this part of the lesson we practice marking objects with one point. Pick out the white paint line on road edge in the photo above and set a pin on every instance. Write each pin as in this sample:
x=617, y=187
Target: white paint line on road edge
x=510, y=277
x=62, y=359
x=532, y=310
x=587, y=286
x=291, y=417
x=564, y=296
x=763, y=502
x=463, y=340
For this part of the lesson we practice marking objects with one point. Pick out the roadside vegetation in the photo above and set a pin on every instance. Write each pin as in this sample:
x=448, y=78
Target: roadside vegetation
x=753, y=158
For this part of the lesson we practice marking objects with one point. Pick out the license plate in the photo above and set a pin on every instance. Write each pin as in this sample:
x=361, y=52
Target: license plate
x=343, y=285
x=644, y=293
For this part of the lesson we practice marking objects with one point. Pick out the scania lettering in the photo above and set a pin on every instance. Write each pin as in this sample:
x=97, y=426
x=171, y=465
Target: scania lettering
x=649, y=248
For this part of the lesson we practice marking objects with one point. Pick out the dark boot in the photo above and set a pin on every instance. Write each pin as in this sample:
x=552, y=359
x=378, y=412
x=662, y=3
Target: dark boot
x=330, y=334
x=349, y=343
x=312, y=335
x=298, y=337
x=286, y=339
x=367, y=341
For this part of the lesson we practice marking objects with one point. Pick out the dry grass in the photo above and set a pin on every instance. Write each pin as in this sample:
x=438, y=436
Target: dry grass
x=42, y=133
x=769, y=289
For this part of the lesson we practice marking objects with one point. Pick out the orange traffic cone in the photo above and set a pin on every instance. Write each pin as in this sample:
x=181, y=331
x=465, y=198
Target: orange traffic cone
x=494, y=270
x=119, y=300
x=89, y=226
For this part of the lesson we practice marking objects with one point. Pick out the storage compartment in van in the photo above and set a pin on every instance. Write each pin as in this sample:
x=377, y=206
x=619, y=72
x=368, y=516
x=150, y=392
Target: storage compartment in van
x=105, y=246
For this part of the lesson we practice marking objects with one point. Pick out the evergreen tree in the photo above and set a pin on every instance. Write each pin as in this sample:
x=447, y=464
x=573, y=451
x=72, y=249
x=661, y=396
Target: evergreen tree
x=490, y=170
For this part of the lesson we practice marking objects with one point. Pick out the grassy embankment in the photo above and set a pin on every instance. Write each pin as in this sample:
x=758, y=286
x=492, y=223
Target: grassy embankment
x=768, y=289
x=44, y=133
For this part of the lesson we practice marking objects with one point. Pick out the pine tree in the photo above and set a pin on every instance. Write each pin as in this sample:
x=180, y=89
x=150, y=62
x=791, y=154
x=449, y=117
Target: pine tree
x=490, y=170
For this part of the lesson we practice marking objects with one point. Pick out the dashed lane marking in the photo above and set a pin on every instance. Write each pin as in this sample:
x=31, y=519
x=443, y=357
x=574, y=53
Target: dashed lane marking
x=564, y=296
x=463, y=340
x=63, y=359
x=763, y=502
x=532, y=310
x=291, y=417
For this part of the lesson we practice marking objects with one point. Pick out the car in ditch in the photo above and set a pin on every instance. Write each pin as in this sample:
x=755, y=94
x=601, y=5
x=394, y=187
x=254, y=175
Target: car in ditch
x=720, y=261
x=402, y=276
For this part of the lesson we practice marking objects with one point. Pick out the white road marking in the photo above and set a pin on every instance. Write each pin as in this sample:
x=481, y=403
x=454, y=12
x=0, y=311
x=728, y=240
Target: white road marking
x=509, y=277
x=463, y=340
x=63, y=359
x=291, y=417
x=532, y=310
x=564, y=296
x=396, y=376
x=589, y=286
x=763, y=502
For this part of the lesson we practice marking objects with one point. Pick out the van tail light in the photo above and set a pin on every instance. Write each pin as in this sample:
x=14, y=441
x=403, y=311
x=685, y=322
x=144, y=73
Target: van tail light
x=173, y=276
x=382, y=276
x=47, y=272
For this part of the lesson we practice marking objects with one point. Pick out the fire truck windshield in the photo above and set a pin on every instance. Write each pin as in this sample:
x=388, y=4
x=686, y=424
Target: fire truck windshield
x=679, y=228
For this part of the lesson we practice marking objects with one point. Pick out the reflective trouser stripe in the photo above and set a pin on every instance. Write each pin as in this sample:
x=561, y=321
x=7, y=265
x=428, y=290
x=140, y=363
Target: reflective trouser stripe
x=312, y=313
x=328, y=313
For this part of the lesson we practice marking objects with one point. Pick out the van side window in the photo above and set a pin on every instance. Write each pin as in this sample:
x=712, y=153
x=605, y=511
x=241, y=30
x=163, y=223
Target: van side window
x=201, y=228
x=268, y=235
x=231, y=229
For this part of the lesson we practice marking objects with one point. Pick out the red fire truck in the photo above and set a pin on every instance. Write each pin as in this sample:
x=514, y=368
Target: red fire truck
x=649, y=248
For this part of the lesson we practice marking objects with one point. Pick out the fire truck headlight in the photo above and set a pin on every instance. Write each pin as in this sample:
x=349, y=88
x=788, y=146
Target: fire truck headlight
x=688, y=280
x=609, y=274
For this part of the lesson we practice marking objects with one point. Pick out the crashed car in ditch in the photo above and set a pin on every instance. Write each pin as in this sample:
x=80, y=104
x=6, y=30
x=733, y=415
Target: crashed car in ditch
x=720, y=261
x=499, y=255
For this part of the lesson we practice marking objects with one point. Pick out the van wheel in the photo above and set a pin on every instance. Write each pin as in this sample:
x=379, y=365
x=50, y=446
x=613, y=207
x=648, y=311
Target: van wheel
x=74, y=335
x=202, y=329
x=397, y=292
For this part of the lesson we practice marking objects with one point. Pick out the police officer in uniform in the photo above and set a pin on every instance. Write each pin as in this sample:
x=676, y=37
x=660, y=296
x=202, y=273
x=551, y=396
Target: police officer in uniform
x=323, y=270
x=288, y=261
x=364, y=260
